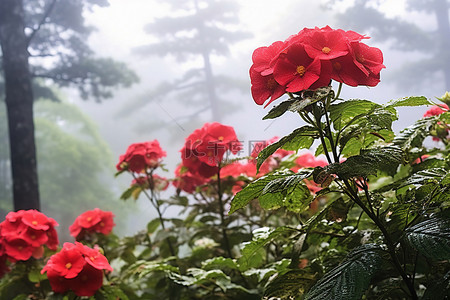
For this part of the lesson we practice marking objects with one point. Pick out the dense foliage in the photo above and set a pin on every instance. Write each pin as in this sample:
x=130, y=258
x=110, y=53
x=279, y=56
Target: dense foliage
x=366, y=216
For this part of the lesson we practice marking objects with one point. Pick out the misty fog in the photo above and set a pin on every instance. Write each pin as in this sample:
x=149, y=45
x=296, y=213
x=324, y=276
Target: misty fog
x=139, y=114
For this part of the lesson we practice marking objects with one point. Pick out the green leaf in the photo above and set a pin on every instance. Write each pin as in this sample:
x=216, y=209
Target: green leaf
x=219, y=263
x=252, y=191
x=409, y=101
x=289, y=191
x=434, y=175
x=439, y=289
x=369, y=162
x=414, y=135
x=300, y=138
x=261, y=237
x=431, y=238
x=278, y=110
x=349, y=111
x=351, y=278
x=112, y=292
x=153, y=225
x=35, y=276
x=290, y=285
x=131, y=192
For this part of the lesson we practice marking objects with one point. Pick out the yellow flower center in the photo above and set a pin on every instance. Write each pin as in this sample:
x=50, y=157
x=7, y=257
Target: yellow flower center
x=301, y=70
x=35, y=222
x=88, y=219
x=271, y=84
x=92, y=258
x=68, y=265
x=326, y=50
x=220, y=138
x=360, y=58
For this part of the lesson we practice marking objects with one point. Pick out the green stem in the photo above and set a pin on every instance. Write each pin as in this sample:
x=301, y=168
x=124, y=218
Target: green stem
x=390, y=244
x=155, y=204
x=319, y=128
x=222, y=215
x=339, y=91
x=330, y=136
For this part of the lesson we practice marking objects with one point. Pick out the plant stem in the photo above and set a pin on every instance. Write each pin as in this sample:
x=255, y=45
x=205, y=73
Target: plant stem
x=319, y=128
x=222, y=215
x=390, y=244
x=155, y=204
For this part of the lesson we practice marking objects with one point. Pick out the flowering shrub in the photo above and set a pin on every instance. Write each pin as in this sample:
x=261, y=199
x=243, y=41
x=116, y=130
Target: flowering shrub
x=92, y=221
x=78, y=268
x=280, y=222
x=24, y=233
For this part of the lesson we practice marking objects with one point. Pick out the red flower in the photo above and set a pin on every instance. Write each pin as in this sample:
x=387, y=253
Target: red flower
x=265, y=87
x=346, y=71
x=310, y=59
x=91, y=221
x=297, y=70
x=436, y=110
x=204, y=149
x=23, y=233
x=78, y=268
x=186, y=181
x=326, y=43
x=264, y=58
x=308, y=160
x=141, y=156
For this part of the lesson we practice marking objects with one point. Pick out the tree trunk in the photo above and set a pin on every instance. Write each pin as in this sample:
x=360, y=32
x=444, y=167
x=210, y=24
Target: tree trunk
x=19, y=104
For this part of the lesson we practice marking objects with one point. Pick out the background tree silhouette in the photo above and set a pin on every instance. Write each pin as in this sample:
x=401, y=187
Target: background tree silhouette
x=431, y=64
x=193, y=33
x=46, y=40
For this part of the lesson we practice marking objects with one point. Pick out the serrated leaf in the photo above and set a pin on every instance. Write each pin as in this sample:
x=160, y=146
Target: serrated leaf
x=278, y=110
x=300, y=138
x=435, y=175
x=259, y=241
x=289, y=191
x=369, y=162
x=290, y=285
x=252, y=191
x=431, y=238
x=414, y=135
x=351, y=278
x=343, y=113
x=409, y=101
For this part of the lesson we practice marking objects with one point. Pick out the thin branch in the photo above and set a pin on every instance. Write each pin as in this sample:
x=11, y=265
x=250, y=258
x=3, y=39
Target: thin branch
x=42, y=22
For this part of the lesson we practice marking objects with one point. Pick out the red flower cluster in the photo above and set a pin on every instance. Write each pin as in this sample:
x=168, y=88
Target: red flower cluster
x=204, y=149
x=23, y=234
x=78, y=268
x=91, y=221
x=310, y=60
x=186, y=181
x=141, y=156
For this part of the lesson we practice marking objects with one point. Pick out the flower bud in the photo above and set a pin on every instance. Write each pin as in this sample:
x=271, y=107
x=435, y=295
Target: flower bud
x=445, y=98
